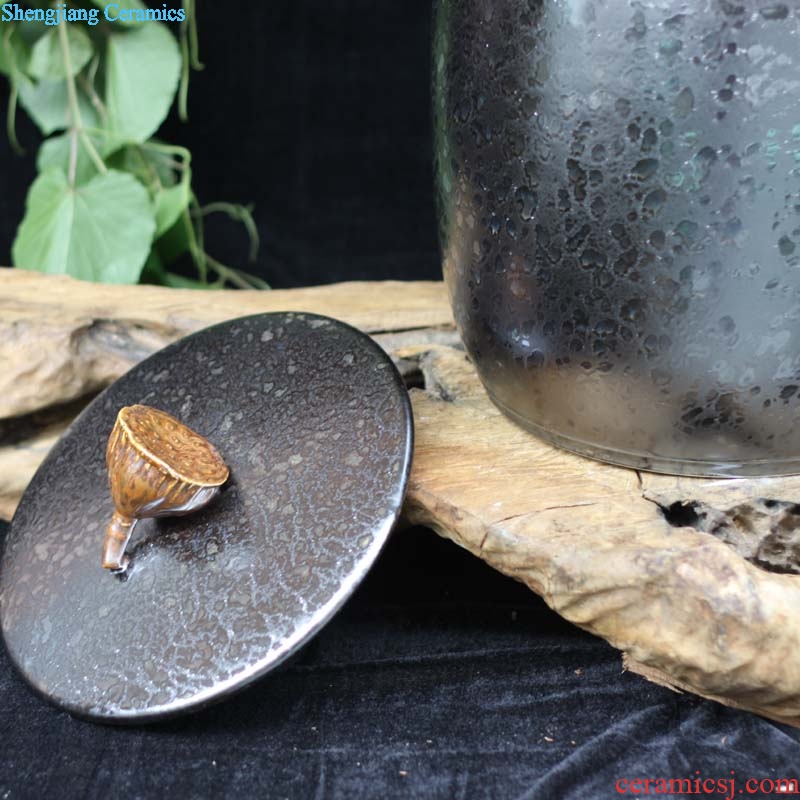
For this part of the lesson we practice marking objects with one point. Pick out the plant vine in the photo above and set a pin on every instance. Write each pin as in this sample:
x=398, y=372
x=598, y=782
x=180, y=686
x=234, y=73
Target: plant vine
x=127, y=196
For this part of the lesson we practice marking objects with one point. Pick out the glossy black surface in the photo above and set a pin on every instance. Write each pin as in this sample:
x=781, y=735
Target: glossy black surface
x=315, y=424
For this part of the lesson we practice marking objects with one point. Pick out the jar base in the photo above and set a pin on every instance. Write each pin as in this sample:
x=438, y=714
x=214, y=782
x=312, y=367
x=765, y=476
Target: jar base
x=652, y=462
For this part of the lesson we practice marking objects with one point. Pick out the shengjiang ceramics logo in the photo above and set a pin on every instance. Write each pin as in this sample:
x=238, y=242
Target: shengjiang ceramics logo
x=113, y=12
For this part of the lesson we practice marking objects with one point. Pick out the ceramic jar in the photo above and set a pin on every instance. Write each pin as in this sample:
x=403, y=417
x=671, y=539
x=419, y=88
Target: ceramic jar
x=619, y=192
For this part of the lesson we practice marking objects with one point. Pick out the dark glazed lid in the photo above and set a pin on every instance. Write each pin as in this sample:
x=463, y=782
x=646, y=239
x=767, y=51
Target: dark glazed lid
x=315, y=424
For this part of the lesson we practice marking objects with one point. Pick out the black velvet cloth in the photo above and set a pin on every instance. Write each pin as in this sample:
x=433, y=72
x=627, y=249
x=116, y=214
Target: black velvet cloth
x=440, y=678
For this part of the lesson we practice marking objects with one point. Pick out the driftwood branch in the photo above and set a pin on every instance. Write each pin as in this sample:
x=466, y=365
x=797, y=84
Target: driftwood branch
x=697, y=581
x=62, y=339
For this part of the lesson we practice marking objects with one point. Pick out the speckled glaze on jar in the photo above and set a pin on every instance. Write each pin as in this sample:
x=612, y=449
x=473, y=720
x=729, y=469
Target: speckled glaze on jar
x=620, y=216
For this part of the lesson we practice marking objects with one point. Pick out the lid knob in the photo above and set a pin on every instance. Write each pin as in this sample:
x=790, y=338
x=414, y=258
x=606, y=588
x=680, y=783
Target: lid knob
x=157, y=467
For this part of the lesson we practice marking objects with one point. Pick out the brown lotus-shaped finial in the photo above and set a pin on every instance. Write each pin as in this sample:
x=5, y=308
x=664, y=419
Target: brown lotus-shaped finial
x=157, y=467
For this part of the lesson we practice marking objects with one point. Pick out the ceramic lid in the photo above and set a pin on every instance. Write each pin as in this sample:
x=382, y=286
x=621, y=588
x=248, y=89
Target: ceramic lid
x=315, y=424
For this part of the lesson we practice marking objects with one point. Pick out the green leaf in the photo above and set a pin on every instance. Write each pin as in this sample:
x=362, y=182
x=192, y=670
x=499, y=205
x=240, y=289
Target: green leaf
x=55, y=152
x=157, y=172
x=99, y=232
x=14, y=52
x=170, y=204
x=47, y=105
x=47, y=58
x=16, y=42
x=153, y=270
x=174, y=243
x=29, y=31
x=103, y=4
x=152, y=168
x=142, y=70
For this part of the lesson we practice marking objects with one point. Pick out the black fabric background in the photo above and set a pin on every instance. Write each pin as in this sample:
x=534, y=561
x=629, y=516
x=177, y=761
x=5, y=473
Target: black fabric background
x=440, y=678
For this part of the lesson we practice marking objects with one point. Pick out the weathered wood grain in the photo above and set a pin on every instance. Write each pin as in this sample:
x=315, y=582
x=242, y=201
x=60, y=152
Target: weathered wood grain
x=596, y=542
x=61, y=339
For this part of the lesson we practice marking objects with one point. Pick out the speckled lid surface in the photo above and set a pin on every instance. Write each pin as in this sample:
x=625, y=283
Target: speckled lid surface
x=315, y=424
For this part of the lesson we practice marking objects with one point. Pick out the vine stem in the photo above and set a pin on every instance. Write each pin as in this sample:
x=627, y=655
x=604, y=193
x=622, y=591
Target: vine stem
x=183, y=89
x=13, y=95
x=87, y=84
x=11, y=130
x=195, y=248
x=229, y=274
x=72, y=99
x=93, y=154
x=75, y=115
x=193, y=222
x=194, y=45
x=168, y=149
x=240, y=213
x=190, y=55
